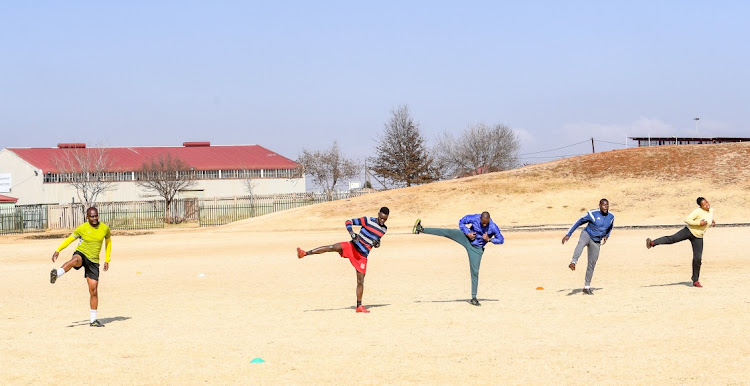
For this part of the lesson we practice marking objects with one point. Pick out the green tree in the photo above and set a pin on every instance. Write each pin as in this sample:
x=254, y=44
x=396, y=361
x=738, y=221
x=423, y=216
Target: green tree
x=402, y=158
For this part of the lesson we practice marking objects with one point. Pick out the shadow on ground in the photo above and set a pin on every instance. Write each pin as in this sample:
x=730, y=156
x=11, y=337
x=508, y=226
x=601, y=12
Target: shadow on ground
x=685, y=283
x=578, y=291
x=349, y=308
x=456, y=301
x=104, y=321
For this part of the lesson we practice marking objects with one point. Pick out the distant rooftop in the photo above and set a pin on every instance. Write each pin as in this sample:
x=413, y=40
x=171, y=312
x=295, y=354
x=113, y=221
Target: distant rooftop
x=660, y=141
x=199, y=155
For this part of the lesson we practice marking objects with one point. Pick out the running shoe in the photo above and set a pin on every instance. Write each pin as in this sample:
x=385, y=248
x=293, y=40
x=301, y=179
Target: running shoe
x=588, y=291
x=649, y=243
x=301, y=253
x=53, y=276
x=362, y=309
x=96, y=323
x=572, y=266
x=417, y=227
x=697, y=284
x=474, y=302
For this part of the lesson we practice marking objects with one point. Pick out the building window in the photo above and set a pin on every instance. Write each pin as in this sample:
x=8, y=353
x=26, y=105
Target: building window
x=196, y=174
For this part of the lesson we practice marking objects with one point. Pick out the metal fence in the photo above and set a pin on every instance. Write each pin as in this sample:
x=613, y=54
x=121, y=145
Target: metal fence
x=117, y=215
x=224, y=211
x=23, y=218
x=152, y=214
x=132, y=215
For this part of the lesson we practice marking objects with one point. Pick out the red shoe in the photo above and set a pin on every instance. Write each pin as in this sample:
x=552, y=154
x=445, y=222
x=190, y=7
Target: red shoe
x=697, y=284
x=362, y=309
x=301, y=253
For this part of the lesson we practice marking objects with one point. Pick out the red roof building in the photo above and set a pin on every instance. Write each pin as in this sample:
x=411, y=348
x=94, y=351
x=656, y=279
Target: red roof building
x=7, y=200
x=39, y=175
x=199, y=155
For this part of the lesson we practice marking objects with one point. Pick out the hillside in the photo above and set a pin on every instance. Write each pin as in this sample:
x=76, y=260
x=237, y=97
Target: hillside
x=645, y=186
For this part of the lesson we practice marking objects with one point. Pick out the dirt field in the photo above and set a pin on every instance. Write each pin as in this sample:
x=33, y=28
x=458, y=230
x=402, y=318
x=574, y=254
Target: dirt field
x=167, y=323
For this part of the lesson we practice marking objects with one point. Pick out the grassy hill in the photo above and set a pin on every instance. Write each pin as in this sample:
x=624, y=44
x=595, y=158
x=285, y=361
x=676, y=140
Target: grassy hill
x=645, y=186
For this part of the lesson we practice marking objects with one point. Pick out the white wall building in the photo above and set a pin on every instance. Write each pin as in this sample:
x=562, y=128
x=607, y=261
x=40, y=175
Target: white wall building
x=38, y=175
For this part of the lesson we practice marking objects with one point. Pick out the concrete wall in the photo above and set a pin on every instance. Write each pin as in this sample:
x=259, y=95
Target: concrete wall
x=29, y=187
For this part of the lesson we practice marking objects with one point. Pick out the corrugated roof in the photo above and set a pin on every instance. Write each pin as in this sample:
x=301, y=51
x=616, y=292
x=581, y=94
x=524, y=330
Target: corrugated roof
x=127, y=159
x=7, y=199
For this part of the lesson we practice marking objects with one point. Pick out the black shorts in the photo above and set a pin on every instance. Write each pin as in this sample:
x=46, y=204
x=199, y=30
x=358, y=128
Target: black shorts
x=90, y=268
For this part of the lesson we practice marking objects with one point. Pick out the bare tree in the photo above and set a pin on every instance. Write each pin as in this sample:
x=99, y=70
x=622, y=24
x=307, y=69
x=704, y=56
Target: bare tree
x=479, y=149
x=327, y=167
x=402, y=158
x=85, y=169
x=249, y=184
x=165, y=176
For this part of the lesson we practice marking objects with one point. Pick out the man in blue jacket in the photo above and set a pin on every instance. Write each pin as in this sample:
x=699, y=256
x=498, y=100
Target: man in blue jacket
x=474, y=232
x=595, y=235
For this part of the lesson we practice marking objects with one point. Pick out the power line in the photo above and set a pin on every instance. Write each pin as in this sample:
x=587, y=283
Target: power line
x=614, y=143
x=555, y=156
x=546, y=151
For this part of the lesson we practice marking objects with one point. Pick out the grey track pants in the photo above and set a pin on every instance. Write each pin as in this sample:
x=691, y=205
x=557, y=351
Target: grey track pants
x=475, y=253
x=593, y=254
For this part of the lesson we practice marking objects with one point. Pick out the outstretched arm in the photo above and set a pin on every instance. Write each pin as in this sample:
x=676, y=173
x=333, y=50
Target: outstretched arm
x=575, y=226
x=65, y=243
x=581, y=221
x=62, y=246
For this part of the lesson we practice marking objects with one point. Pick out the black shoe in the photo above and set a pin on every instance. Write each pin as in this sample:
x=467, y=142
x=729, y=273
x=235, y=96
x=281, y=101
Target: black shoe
x=53, y=276
x=649, y=243
x=588, y=291
x=417, y=227
x=96, y=323
x=474, y=302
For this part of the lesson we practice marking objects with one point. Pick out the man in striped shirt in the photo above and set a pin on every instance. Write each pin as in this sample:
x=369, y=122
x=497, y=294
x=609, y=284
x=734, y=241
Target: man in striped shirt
x=372, y=229
x=595, y=235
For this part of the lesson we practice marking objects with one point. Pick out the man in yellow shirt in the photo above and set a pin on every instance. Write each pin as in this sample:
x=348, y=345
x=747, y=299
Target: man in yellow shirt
x=697, y=222
x=91, y=234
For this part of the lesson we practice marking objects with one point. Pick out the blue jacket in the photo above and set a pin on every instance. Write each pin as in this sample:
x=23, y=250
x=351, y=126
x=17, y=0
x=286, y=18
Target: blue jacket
x=599, y=225
x=470, y=223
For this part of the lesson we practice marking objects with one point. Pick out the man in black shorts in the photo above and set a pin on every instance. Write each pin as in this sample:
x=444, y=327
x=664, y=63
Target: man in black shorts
x=91, y=234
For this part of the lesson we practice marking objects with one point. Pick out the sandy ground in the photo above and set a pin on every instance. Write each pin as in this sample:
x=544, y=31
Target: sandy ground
x=167, y=324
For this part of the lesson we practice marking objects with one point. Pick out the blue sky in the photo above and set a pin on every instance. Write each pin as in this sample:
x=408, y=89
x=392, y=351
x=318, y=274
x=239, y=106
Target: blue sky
x=292, y=74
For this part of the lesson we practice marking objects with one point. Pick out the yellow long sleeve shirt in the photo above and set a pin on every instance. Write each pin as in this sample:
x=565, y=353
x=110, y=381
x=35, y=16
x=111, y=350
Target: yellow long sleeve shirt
x=693, y=221
x=91, y=241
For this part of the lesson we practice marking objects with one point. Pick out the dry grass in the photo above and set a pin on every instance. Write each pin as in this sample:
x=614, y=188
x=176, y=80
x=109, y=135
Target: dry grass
x=645, y=186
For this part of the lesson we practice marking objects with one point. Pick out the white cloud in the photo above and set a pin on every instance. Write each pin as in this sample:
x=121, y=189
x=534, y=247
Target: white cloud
x=524, y=137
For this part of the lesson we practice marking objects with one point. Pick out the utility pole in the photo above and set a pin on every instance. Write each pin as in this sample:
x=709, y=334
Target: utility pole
x=592, y=145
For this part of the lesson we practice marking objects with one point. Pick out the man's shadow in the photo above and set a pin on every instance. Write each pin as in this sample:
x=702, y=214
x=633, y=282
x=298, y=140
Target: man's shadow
x=456, y=301
x=103, y=321
x=349, y=308
x=577, y=291
x=685, y=283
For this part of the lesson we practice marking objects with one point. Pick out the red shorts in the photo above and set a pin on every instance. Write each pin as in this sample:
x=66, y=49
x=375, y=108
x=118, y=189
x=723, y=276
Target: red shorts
x=350, y=252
